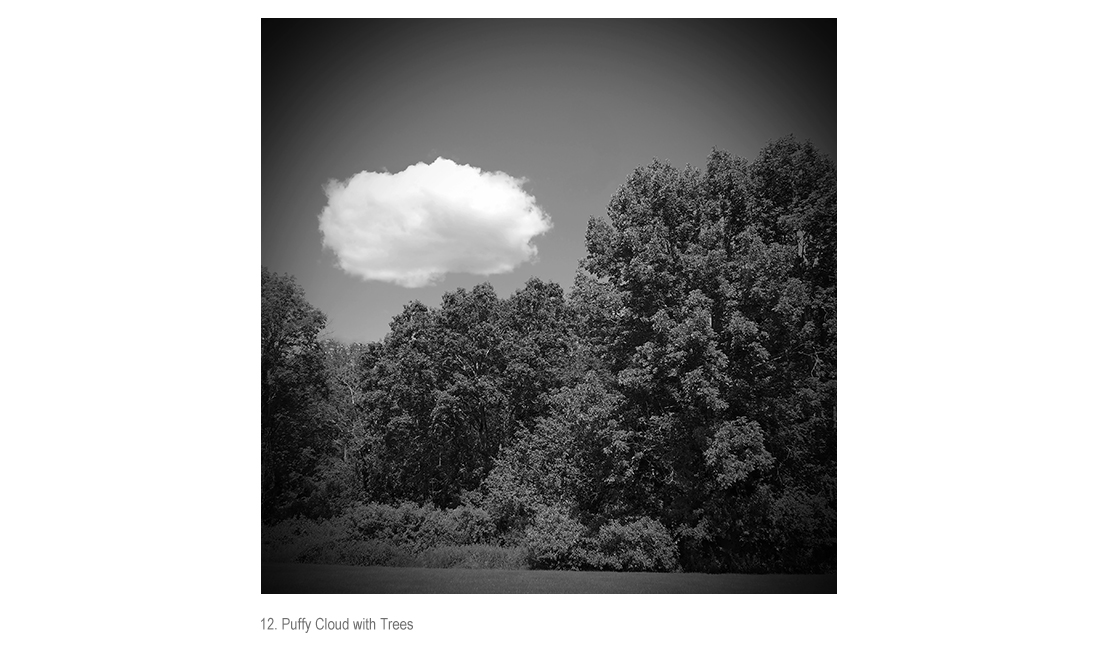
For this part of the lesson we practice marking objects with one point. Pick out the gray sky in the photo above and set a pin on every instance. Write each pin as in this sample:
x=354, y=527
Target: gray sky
x=571, y=107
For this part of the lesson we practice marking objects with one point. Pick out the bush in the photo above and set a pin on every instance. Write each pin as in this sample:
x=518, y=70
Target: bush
x=510, y=498
x=553, y=540
x=700, y=548
x=288, y=539
x=418, y=528
x=408, y=535
x=476, y=557
x=640, y=545
x=359, y=552
x=463, y=525
x=806, y=530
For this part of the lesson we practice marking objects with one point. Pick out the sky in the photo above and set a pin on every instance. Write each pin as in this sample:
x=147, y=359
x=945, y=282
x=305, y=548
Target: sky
x=403, y=159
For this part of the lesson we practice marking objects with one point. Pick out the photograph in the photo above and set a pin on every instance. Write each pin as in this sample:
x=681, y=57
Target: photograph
x=548, y=313
x=548, y=306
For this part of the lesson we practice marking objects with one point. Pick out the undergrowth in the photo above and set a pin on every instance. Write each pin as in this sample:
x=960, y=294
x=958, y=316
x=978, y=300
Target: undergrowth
x=412, y=535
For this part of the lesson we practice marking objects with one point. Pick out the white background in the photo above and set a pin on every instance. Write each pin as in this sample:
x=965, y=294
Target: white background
x=131, y=155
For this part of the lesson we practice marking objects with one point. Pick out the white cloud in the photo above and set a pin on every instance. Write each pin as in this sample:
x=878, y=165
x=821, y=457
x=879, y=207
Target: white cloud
x=413, y=227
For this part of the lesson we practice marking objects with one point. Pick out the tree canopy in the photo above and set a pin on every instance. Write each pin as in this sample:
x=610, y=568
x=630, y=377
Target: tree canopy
x=683, y=390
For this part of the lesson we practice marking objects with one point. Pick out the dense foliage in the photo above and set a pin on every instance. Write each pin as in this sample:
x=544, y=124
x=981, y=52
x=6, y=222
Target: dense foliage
x=675, y=410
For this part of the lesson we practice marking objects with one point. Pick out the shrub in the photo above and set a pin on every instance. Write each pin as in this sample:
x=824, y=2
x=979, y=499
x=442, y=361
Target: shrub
x=397, y=536
x=418, y=528
x=640, y=545
x=346, y=551
x=288, y=539
x=510, y=498
x=553, y=540
x=700, y=548
x=476, y=557
x=463, y=525
x=806, y=528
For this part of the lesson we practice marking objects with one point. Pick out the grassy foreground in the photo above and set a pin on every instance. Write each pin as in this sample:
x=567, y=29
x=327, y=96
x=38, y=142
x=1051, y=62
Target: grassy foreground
x=297, y=578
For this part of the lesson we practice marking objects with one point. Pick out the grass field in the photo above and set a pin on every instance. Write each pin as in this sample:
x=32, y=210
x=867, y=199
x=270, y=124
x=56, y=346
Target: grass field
x=296, y=578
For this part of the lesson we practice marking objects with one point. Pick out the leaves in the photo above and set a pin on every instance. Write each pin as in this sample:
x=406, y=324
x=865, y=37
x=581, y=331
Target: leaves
x=736, y=451
x=687, y=383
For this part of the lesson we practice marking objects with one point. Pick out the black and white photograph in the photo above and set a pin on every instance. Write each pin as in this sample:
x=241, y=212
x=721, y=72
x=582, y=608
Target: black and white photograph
x=545, y=348
x=548, y=306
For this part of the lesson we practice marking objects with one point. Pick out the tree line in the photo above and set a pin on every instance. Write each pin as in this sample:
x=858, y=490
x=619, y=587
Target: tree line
x=685, y=387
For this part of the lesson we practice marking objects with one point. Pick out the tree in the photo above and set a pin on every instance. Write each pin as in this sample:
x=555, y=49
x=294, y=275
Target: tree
x=682, y=394
x=343, y=470
x=292, y=389
x=710, y=296
x=536, y=338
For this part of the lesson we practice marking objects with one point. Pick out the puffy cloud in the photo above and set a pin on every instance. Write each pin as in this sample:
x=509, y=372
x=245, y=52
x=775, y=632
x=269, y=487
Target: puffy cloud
x=413, y=227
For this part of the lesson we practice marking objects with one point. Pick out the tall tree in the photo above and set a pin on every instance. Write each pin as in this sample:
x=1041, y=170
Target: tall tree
x=293, y=387
x=711, y=298
x=536, y=337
